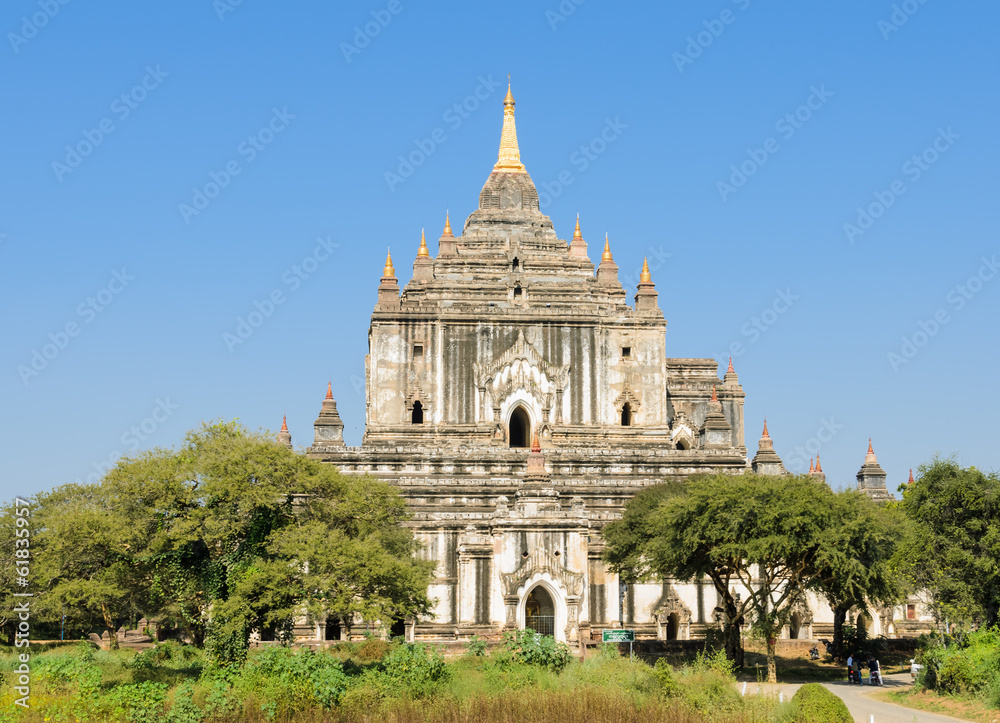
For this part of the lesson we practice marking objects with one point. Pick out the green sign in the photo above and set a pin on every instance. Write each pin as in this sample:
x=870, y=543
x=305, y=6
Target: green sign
x=616, y=635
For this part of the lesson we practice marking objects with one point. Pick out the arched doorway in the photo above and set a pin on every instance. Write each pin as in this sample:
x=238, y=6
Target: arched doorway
x=519, y=433
x=540, y=612
x=794, y=626
x=627, y=415
x=333, y=629
x=673, y=626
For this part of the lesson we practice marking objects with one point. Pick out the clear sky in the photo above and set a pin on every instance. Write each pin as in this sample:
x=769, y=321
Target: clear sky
x=815, y=185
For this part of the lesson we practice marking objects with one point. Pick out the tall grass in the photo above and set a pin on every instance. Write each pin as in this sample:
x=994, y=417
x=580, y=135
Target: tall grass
x=373, y=682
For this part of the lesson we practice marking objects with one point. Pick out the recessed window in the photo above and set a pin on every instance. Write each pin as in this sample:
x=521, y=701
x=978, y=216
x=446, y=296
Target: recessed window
x=418, y=351
x=517, y=291
x=626, y=352
x=911, y=612
x=418, y=413
x=627, y=415
x=515, y=265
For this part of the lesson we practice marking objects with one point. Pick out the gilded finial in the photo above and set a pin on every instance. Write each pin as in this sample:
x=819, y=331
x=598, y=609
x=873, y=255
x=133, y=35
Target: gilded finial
x=576, y=231
x=509, y=158
x=606, y=256
x=811, y=467
x=388, y=272
x=284, y=423
x=645, y=277
x=423, y=245
x=329, y=390
x=536, y=447
x=447, y=225
x=765, y=435
x=818, y=467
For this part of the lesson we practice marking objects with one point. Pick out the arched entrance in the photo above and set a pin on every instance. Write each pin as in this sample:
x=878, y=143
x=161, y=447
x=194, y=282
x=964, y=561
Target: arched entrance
x=519, y=432
x=540, y=611
x=673, y=626
x=794, y=626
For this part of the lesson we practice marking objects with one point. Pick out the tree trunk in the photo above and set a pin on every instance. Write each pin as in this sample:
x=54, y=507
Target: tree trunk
x=732, y=632
x=772, y=669
x=110, y=625
x=839, y=617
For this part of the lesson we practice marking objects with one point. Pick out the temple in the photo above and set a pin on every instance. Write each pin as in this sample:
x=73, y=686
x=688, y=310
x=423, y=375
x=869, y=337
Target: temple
x=517, y=400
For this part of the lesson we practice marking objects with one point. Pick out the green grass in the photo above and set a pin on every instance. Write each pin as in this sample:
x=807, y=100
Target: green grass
x=175, y=684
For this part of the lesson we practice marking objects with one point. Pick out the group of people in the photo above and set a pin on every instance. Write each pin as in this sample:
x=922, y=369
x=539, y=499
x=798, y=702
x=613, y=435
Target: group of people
x=855, y=665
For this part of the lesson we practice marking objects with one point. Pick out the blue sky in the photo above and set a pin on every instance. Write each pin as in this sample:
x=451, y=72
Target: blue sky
x=814, y=183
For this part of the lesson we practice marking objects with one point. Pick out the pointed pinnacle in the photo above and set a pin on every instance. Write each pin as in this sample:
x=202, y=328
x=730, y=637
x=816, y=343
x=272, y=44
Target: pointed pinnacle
x=422, y=251
x=818, y=468
x=730, y=370
x=765, y=435
x=284, y=423
x=329, y=390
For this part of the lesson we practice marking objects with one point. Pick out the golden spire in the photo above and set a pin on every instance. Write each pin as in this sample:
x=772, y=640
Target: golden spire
x=645, y=277
x=606, y=256
x=388, y=272
x=576, y=231
x=509, y=158
x=423, y=245
x=447, y=225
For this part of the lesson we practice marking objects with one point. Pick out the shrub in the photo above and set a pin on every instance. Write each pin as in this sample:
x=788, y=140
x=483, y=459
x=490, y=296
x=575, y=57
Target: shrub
x=527, y=646
x=137, y=702
x=665, y=676
x=416, y=669
x=815, y=704
x=184, y=709
x=476, y=647
x=293, y=680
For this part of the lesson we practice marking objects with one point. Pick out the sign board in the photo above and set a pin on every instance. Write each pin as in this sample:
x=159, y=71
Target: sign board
x=616, y=635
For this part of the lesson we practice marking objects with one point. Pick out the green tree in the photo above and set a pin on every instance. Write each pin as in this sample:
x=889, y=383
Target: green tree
x=250, y=535
x=756, y=533
x=857, y=561
x=87, y=545
x=954, y=549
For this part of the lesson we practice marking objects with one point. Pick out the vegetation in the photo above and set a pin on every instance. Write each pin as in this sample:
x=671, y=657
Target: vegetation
x=762, y=541
x=230, y=534
x=376, y=680
x=954, y=547
x=813, y=703
x=962, y=665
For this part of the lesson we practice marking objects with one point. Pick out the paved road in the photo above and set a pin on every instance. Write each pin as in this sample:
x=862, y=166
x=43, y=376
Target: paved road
x=861, y=705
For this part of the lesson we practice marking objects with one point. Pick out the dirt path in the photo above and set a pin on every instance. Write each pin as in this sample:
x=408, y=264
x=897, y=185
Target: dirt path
x=862, y=705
